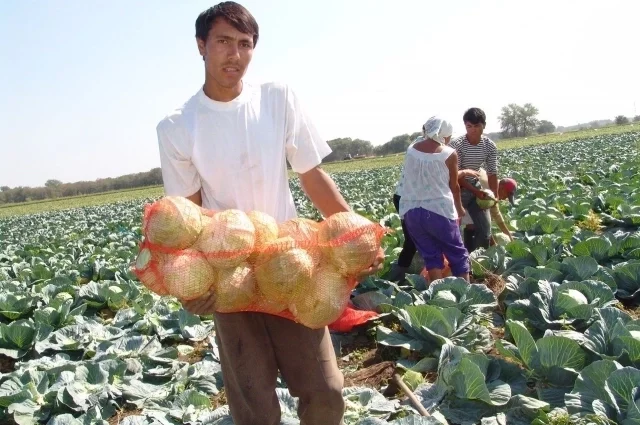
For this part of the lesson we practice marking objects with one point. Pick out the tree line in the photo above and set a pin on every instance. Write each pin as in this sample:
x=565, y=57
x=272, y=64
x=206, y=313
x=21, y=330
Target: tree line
x=522, y=121
x=342, y=148
x=56, y=189
x=347, y=148
x=622, y=120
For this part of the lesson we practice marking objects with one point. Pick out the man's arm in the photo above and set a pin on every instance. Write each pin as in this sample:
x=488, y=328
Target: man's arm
x=305, y=150
x=496, y=217
x=462, y=181
x=468, y=173
x=323, y=192
x=179, y=175
x=452, y=164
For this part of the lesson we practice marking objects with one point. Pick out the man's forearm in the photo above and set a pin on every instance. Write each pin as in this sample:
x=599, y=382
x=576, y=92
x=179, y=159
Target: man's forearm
x=323, y=192
x=457, y=200
x=464, y=184
x=496, y=217
x=493, y=183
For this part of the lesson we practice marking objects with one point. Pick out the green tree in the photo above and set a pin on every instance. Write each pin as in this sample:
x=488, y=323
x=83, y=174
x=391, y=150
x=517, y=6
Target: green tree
x=528, y=119
x=509, y=120
x=519, y=121
x=396, y=145
x=346, y=147
x=621, y=120
x=546, y=127
x=53, y=183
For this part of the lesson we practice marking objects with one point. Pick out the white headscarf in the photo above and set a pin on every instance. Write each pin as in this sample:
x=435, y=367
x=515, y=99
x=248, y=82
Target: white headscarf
x=437, y=129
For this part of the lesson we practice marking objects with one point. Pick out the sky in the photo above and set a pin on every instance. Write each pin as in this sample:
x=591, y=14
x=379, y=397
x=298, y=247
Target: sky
x=83, y=84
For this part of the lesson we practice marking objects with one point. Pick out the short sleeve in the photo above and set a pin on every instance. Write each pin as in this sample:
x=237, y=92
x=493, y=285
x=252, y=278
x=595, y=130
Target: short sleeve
x=179, y=175
x=455, y=145
x=492, y=157
x=305, y=148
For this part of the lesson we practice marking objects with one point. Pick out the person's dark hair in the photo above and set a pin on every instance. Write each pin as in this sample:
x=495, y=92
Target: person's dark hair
x=235, y=14
x=475, y=116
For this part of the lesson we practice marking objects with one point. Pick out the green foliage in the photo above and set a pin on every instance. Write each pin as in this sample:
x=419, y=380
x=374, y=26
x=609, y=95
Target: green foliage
x=621, y=120
x=519, y=121
x=545, y=127
x=347, y=148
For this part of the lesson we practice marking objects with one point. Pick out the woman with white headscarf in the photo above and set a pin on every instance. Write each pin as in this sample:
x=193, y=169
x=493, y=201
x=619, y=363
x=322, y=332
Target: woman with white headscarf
x=430, y=203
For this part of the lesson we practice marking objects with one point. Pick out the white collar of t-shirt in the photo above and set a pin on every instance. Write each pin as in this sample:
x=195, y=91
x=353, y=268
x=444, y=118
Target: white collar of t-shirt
x=241, y=99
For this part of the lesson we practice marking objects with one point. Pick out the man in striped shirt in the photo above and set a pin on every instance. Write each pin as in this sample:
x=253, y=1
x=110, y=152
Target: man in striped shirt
x=476, y=151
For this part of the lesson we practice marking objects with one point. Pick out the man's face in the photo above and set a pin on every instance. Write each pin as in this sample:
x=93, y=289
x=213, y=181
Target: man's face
x=474, y=131
x=227, y=53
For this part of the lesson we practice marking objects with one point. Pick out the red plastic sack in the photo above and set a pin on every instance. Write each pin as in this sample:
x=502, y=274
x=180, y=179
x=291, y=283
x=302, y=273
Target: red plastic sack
x=351, y=318
x=300, y=269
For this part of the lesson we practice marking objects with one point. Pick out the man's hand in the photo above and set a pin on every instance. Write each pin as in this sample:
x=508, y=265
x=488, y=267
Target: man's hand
x=480, y=194
x=461, y=213
x=202, y=306
x=375, y=267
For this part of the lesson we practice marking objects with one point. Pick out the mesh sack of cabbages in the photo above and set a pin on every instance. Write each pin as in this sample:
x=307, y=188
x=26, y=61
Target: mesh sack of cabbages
x=298, y=269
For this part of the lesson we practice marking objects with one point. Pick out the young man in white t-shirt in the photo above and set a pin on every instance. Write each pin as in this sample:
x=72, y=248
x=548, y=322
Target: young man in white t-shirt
x=227, y=147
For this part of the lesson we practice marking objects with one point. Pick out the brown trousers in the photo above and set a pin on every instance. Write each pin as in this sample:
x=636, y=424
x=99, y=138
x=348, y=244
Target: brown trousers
x=254, y=346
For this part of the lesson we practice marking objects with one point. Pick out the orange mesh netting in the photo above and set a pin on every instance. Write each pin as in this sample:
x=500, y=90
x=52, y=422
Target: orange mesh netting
x=300, y=269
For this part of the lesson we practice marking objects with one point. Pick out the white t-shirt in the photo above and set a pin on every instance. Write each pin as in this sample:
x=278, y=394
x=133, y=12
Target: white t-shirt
x=425, y=183
x=236, y=152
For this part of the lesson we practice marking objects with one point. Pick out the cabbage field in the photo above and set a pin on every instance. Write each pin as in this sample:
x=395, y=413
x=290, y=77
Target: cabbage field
x=548, y=333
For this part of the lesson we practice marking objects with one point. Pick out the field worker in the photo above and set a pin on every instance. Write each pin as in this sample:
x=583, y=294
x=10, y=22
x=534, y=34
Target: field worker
x=430, y=200
x=506, y=190
x=228, y=147
x=475, y=151
x=399, y=269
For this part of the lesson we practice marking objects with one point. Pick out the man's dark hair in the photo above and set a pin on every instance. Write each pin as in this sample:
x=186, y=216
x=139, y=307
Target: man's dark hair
x=475, y=116
x=235, y=14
